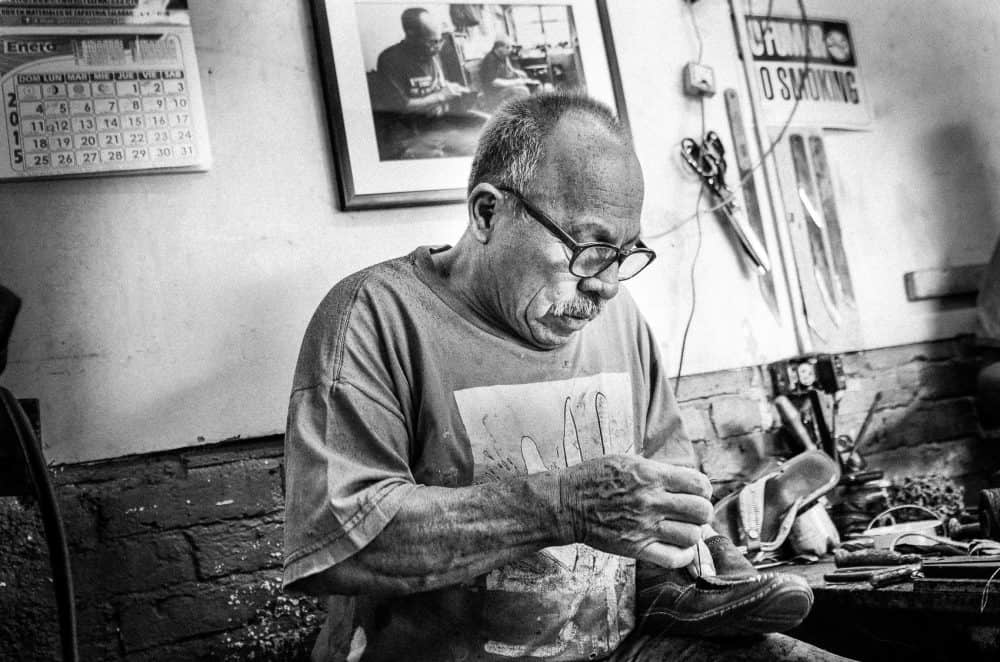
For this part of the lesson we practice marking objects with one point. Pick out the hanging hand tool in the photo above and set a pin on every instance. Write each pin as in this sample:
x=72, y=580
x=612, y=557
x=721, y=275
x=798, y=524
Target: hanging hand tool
x=741, y=149
x=815, y=229
x=708, y=160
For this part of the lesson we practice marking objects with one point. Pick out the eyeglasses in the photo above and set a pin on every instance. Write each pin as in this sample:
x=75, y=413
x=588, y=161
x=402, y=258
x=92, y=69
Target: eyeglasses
x=591, y=258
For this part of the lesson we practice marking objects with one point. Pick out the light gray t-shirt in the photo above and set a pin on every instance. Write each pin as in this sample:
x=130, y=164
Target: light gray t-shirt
x=398, y=385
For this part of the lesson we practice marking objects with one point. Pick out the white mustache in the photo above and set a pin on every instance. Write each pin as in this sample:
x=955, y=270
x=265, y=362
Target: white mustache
x=582, y=308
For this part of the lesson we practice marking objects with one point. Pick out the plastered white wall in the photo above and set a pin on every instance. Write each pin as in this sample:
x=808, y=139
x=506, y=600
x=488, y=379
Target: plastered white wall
x=166, y=310
x=919, y=189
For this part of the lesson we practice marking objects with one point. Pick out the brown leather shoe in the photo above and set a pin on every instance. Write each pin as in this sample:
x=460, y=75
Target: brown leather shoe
x=670, y=601
x=729, y=561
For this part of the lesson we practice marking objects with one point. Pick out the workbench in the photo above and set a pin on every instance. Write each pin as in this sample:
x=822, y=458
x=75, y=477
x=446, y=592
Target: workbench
x=913, y=620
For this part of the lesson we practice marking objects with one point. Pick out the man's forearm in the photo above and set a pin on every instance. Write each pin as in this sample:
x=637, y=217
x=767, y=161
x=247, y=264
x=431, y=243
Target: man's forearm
x=424, y=104
x=445, y=536
x=621, y=504
x=506, y=82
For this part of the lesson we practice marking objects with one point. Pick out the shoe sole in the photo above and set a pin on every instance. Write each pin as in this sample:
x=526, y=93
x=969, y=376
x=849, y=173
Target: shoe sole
x=780, y=607
x=782, y=610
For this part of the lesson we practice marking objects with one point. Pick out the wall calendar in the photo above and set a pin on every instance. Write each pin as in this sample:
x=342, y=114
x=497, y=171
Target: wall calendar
x=99, y=87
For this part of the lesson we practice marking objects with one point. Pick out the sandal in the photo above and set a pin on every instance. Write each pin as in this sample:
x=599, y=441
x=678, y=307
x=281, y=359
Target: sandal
x=759, y=517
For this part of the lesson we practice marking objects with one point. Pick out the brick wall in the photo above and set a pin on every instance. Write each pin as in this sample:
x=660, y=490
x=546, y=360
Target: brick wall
x=177, y=555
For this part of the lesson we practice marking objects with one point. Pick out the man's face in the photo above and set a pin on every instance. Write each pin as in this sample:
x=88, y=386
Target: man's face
x=425, y=36
x=592, y=188
x=503, y=50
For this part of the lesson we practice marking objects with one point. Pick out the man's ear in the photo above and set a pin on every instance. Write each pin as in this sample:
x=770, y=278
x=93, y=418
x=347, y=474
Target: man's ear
x=484, y=203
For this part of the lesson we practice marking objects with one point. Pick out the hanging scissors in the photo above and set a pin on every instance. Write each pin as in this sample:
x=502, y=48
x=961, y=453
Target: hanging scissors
x=708, y=160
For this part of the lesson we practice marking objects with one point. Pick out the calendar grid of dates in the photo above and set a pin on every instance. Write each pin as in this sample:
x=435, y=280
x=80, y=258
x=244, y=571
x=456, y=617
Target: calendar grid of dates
x=60, y=121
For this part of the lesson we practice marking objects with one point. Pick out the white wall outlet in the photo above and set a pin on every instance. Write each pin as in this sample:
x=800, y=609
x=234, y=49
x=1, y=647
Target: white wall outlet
x=699, y=80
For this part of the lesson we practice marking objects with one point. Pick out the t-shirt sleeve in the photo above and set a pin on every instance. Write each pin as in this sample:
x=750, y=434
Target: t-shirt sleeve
x=346, y=474
x=665, y=439
x=392, y=79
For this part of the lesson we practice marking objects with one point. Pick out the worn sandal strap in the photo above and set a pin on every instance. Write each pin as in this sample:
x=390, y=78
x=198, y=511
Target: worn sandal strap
x=751, y=506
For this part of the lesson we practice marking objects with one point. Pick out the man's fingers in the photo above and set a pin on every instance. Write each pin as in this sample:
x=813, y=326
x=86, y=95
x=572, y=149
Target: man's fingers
x=680, y=479
x=666, y=556
x=678, y=534
x=683, y=508
x=683, y=479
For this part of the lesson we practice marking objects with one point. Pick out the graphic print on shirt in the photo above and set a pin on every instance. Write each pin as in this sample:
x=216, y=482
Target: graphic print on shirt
x=575, y=599
x=421, y=86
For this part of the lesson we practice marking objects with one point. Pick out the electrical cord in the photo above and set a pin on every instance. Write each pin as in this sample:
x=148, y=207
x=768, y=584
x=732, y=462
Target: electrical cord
x=701, y=189
x=697, y=215
x=55, y=534
x=687, y=326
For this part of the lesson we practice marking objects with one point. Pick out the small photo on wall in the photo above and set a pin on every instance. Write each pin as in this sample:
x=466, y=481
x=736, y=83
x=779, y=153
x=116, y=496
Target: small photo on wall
x=435, y=73
x=409, y=86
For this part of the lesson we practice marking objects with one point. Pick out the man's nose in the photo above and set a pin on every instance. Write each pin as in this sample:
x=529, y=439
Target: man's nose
x=604, y=284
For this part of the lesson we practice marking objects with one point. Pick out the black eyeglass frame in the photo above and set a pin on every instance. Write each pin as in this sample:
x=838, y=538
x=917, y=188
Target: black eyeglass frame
x=576, y=247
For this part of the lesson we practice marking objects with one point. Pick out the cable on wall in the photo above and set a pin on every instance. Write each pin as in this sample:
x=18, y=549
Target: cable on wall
x=773, y=143
x=701, y=190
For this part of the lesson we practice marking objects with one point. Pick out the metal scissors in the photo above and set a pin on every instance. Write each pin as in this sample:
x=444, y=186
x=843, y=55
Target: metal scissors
x=708, y=159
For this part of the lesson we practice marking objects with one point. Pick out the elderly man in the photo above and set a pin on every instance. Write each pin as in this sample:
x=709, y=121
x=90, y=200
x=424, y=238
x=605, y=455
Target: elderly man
x=499, y=80
x=428, y=113
x=482, y=438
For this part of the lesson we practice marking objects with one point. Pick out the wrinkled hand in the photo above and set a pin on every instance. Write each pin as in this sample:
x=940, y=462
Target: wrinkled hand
x=632, y=506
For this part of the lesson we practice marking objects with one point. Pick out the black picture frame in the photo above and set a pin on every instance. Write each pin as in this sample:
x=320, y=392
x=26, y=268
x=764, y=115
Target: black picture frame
x=341, y=68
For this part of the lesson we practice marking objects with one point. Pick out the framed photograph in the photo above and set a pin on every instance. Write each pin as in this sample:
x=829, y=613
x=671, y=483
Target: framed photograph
x=409, y=85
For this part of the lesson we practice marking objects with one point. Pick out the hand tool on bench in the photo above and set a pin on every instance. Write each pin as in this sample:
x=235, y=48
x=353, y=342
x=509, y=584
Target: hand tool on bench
x=875, y=575
x=872, y=557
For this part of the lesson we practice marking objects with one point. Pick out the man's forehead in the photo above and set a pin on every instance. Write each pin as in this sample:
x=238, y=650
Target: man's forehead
x=591, y=175
x=583, y=153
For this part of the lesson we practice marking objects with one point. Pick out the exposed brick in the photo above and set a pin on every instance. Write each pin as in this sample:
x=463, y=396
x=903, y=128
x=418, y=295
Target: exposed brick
x=854, y=405
x=908, y=376
x=130, y=565
x=891, y=357
x=79, y=513
x=960, y=458
x=710, y=384
x=265, y=447
x=948, y=379
x=697, y=422
x=730, y=459
x=191, y=610
x=97, y=628
x=236, y=547
x=124, y=472
x=246, y=488
x=198, y=649
x=736, y=415
x=929, y=422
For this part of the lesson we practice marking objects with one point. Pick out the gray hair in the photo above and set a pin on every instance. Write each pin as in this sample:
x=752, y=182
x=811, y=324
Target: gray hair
x=511, y=145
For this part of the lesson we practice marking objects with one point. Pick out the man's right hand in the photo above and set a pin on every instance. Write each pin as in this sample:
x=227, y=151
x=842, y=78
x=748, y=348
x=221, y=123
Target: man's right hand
x=633, y=506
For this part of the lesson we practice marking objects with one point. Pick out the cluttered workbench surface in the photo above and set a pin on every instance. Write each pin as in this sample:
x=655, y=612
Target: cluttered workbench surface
x=927, y=594
x=938, y=609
